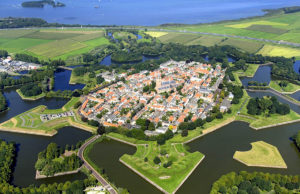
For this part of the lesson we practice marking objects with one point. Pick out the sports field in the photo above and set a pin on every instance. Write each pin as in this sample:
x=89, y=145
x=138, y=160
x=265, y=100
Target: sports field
x=261, y=154
x=51, y=43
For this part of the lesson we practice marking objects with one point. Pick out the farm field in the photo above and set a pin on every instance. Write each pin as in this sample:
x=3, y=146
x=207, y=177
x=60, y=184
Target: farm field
x=277, y=27
x=271, y=50
x=51, y=43
x=261, y=154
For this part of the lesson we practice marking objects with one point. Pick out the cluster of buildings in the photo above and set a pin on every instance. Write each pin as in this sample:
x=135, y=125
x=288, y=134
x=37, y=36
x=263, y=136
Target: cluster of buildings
x=165, y=96
x=9, y=65
x=48, y=117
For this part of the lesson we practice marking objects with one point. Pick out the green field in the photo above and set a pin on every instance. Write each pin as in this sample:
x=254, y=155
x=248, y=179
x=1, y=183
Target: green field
x=31, y=122
x=261, y=154
x=245, y=45
x=170, y=178
x=180, y=38
x=51, y=43
x=270, y=50
x=282, y=27
x=20, y=44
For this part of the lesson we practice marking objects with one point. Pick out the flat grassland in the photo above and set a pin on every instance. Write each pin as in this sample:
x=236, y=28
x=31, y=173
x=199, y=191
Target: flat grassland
x=170, y=178
x=30, y=121
x=51, y=43
x=262, y=154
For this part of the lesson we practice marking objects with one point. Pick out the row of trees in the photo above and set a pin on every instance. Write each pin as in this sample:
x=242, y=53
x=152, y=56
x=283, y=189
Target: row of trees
x=7, y=153
x=35, y=76
x=3, y=53
x=3, y=103
x=256, y=183
x=268, y=105
x=48, y=161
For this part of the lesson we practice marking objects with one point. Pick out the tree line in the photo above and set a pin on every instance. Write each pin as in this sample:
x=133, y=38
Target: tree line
x=256, y=183
x=7, y=153
x=3, y=103
x=267, y=105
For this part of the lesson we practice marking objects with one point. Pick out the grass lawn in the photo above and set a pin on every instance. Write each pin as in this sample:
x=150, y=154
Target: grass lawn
x=31, y=97
x=274, y=84
x=262, y=154
x=183, y=163
x=270, y=50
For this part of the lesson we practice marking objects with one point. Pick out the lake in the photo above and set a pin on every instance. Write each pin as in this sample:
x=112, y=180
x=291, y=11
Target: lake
x=142, y=12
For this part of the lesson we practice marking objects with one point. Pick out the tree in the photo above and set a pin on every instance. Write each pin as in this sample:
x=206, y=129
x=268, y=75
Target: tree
x=156, y=160
x=101, y=129
x=184, y=133
x=51, y=151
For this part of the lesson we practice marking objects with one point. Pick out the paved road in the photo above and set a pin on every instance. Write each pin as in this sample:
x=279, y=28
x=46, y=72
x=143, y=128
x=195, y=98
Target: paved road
x=104, y=183
x=181, y=31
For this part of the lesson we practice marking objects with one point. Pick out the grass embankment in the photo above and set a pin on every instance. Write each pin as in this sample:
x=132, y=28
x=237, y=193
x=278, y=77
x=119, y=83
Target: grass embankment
x=262, y=154
x=290, y=88
x=42, y=95
x=167, y=179
x=31, y=122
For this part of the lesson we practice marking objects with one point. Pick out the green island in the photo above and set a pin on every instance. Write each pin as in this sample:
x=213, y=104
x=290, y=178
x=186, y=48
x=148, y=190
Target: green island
x=41, y=4
x=55, y=161
x=31, y=121
x=256, y=182
x=261, y=154
x=35, y=97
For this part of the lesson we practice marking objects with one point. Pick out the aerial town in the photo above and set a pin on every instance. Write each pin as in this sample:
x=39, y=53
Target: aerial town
x=10, y=66
x=165, y=96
